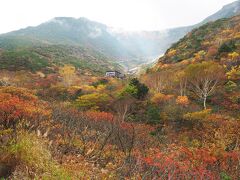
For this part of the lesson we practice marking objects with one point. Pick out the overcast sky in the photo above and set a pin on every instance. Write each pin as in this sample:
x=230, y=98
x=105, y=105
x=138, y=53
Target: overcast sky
x=125, y=14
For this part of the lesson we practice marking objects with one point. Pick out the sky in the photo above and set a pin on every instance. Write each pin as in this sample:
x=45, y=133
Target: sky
x=132, y=15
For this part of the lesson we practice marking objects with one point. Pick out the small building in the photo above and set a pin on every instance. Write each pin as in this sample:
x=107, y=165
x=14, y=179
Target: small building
x=116, y=74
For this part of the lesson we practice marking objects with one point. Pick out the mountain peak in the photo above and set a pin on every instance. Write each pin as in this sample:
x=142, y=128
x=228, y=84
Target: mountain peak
x=227, y=11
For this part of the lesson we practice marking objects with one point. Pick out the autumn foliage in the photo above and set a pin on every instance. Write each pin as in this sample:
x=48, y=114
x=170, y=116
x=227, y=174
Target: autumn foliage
x=179, y=120
x=17, y=105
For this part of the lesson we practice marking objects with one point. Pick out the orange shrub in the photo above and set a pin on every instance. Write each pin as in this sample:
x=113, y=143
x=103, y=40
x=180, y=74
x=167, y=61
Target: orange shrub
x=182, y=100
x=160, y=98
x=19, y=104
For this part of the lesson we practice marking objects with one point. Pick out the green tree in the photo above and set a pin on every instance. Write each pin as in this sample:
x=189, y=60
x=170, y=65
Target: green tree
x=228, y=46
x=231, y=86
x=136, y=89
x=153, y=115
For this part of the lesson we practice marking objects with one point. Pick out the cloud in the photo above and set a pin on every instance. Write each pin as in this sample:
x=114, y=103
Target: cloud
x=95, y=33
x=127, y=14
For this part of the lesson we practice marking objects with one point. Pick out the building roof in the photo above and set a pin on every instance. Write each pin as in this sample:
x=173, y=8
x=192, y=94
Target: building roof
x=114, y=71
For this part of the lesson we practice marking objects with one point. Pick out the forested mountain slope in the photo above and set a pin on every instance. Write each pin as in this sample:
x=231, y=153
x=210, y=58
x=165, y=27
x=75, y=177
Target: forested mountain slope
x=126, y=48
x=48, y=58
x=213, y=40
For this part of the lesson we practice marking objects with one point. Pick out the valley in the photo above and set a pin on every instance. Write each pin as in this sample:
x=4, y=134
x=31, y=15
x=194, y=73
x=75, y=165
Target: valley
x=80, y=100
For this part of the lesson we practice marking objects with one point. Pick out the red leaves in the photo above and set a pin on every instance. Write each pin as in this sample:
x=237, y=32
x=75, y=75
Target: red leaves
x=148, y=161
x=126, y=126
x=205, y=156
x=181, y=163
x=11, y=108
x=47, y=82
x=16, y=105
x=99, y=116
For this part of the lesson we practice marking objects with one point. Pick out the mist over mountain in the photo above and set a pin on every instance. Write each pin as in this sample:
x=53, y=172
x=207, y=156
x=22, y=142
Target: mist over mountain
x=71, y=31
x=155, y=43
x=171, y=36
x=82, y=100
x=126, y=48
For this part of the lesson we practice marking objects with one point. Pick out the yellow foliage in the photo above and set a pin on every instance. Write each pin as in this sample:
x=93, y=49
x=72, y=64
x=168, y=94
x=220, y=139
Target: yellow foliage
x=68, y=74
x=73, y=89
x=23, y=93
x=227, y=31
x=5, y=132
x=233, y=55
x=199, y=115
x=159, y=98
x=234, y=73
x=67, y=69
x=199, y=55
x=92, y=101
x=207, y=43
x=164, y=66
x=171, y=53
x=184, y=62
x=88, y=88
x=237, y=36
x=101, y=88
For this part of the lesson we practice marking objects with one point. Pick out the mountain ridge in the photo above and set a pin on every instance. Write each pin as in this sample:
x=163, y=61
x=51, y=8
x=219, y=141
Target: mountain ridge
x=128, y=49
x=214, y=40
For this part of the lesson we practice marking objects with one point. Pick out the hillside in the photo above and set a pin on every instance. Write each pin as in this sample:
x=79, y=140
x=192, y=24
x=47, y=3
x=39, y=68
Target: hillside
x=61, y=119
x=213, y=40
x=180, y=120
x=204, y=53
x=71, y=32
x=173, y=35
x=49, y=58
x=129, y=49
x=155, y=43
